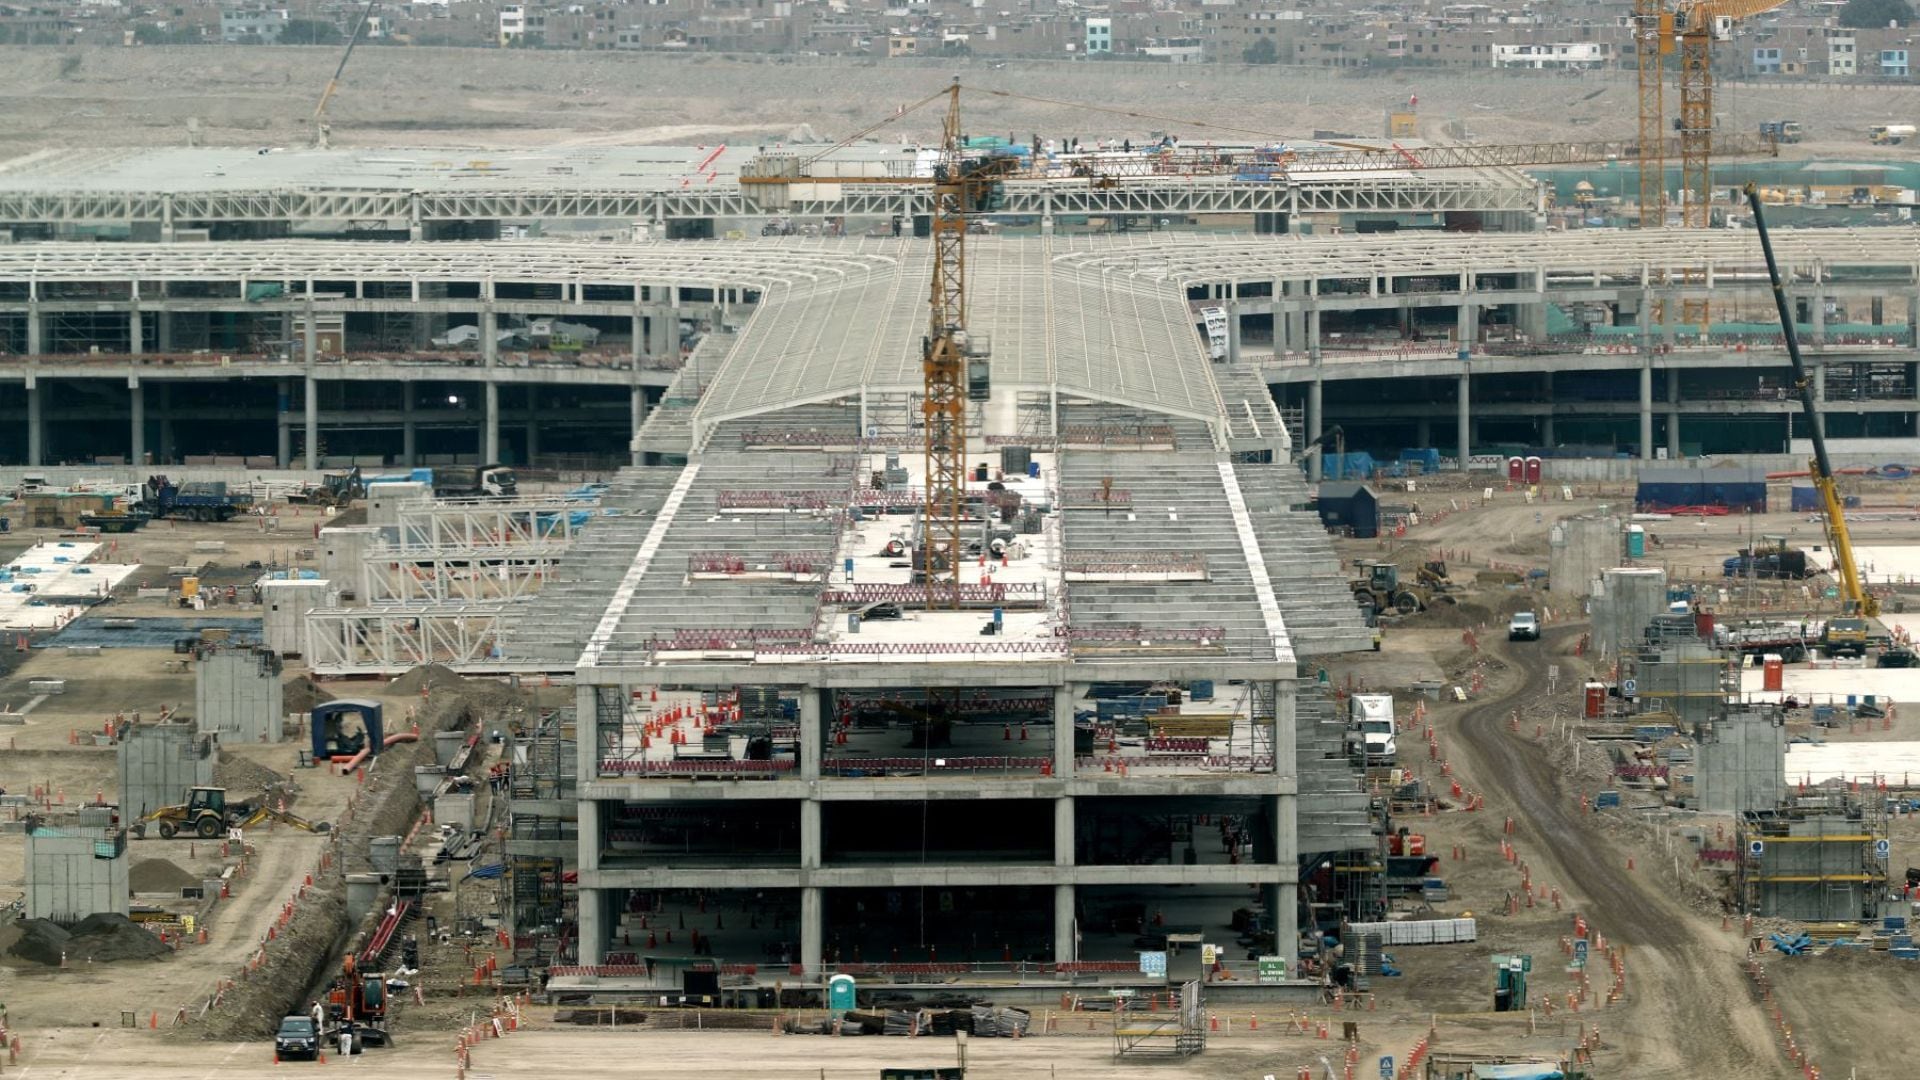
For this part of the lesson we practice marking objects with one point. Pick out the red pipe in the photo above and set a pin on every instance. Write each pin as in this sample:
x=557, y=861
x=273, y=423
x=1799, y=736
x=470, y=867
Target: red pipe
x=352, y=763
x=400, y=737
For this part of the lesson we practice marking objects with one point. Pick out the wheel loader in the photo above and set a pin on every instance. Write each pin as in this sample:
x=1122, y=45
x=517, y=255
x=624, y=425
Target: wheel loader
x=1382, y=590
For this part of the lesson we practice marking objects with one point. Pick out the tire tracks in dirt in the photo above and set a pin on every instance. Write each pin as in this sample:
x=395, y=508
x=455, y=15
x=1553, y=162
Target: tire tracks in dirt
x=1682, y=975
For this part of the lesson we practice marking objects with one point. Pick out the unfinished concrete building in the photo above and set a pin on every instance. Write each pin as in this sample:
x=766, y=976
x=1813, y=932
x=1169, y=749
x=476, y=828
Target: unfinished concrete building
x=237, y=693
x=790, y=762
x=159, y=762
x=76, y=872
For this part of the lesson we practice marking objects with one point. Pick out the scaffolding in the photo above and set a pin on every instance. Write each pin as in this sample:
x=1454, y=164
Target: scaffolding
x=1822, y=858
x=542, y=832
x=1180, y=1033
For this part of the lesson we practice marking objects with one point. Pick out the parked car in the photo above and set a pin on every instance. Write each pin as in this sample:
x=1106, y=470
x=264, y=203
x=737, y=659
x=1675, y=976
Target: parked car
x=1524, y=626
x=296, y=1039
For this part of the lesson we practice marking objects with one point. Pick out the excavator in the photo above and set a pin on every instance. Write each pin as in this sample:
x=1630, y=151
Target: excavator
x=359, y=999
x=1846, y=634
x=207, y=814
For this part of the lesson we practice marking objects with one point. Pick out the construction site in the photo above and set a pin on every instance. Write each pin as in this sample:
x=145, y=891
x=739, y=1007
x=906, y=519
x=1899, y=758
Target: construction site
x=1233, y=607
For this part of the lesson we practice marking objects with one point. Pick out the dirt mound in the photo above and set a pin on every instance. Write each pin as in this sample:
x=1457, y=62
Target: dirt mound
x=159, y=876
x=301, y=694
x=104, y=939
x=355, y=516
x=429, y=676
x=40, y=941
x=1446, y=616
x=244, y=778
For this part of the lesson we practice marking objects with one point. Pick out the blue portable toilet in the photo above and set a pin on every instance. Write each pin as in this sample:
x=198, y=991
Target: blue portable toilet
x=344, y=727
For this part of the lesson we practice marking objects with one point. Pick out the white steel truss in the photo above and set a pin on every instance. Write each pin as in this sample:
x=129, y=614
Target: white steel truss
x=392, y=640
x=484, y=528
x=456, y=579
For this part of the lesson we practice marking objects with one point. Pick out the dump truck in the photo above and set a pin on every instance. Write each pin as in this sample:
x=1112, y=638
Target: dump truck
x=193, y=501
x=208, y=813
x=1780, y=131
x=474, y=481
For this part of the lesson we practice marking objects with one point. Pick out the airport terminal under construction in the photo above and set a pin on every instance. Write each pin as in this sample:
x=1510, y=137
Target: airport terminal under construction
x=1000, y=663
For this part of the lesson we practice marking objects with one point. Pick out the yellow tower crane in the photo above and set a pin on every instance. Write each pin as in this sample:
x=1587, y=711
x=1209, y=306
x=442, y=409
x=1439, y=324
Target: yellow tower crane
x=1696, y=26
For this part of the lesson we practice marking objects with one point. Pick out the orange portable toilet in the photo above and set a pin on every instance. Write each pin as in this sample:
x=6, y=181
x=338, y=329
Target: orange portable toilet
x=1596, y=699
x=1516, y=470
x=1533, y=468
x=1773, y=673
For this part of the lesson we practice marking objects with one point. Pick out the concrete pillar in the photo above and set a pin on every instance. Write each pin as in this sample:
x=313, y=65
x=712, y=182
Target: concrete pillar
x=1063, y=819
x=34, y=344
x=810, y=840
x=595, y=931
x=1423, y=431
x=637, y=338
x=409, y=428
x=1646, y=408
x=162, y=330
x=312, y=405
x=1316, y=423
x=490, y=436
x=36, y=429
x=1466, y=330
x=1313, y=334
x=1233, y=331
x=137, y=445
x=813, y=733
x=136, y=343
x=813, y=930
x=1673, y=414
x=1063, y=699
x=1066, y=926
x=1463, y=430
x=1820, y=388
x=1817, y=314
x=166, y=417
x=489, y=337
x=533, y=423
x=1284, y=901
x=640, y=408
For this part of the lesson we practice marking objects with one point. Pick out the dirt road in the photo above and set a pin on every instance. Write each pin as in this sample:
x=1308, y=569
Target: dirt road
x=1691, y=1013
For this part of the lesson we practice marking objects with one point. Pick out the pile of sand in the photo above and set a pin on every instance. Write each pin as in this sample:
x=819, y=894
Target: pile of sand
x=159, y=876
x=99, y=939
x=245, y=778
x=429, y=676
x=301, y=694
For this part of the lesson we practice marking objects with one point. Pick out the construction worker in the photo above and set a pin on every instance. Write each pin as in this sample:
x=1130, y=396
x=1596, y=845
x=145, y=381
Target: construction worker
x=319, y=1018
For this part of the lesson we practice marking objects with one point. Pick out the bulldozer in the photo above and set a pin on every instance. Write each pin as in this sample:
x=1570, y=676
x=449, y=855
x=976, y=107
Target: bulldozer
x=334, y=489
x=1382, y=590
x=207, y=813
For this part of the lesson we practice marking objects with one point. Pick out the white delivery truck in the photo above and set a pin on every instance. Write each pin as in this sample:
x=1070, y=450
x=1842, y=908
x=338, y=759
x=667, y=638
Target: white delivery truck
x=1370, y=729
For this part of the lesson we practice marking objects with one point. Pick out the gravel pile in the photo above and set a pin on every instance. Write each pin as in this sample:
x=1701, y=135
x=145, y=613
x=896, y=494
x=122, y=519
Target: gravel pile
x=159, y=876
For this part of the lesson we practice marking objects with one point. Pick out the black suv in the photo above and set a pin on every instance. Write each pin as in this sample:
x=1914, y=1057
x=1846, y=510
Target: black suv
x=296, y=1039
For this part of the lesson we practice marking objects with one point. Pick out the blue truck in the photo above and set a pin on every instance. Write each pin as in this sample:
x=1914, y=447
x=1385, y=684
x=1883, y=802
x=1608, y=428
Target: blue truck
x=162, y=498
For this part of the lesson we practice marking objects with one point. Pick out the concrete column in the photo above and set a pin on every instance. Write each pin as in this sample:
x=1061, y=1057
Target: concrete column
x=137, y=399
x=1646, y=408
x=1063, y=818
x=1313, y=334
x=640, y=408
x=1466, y=331
x=813, y=930
x=409, y=428
x=1463, y=429
x=533, y=423
x=1820, y=388
x=1673, y=414
x=1423, y=432
x=1546, y=429
x=1316, y=423
x=163, y=330
x=1284, y=901
x=595, y=930
x=1066, y=926
x=813, y=733
x=1063, y=699
x=34, y=344
x=489, y=337
x=1817, y=314
x=490, y=436
x=166, y=417
x=637, y=337
x=810, y=840
x=312, y=418
x=36, y=430
x=136, y=343
x=1233, y=331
